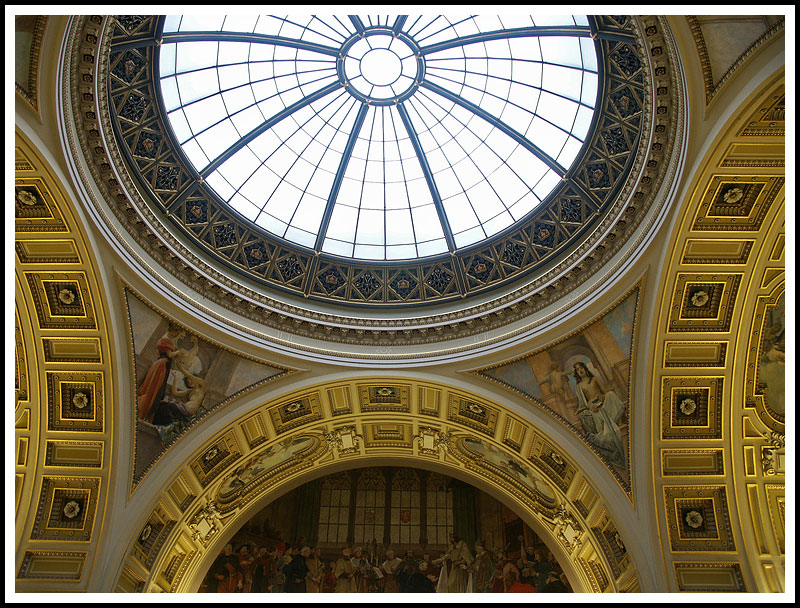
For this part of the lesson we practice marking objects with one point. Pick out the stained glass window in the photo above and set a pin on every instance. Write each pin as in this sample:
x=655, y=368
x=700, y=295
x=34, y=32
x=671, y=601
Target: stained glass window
x=440, y=510
x=370, y=507
x=405, y=515
x=334, y=508
x=380, y=138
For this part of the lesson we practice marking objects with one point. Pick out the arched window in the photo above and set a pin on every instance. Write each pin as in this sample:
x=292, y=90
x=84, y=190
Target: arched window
x=334, y=508
x=405, y=514
x=440, y=509
x=370, y=506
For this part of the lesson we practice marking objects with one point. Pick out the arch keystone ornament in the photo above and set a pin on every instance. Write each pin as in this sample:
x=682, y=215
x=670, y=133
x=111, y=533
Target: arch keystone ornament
x=432, y=441
x=344, y=439
x=568, y=530
x=205, y=523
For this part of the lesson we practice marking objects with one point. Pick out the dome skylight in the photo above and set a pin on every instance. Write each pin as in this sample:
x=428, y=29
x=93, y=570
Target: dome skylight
x=380, y=138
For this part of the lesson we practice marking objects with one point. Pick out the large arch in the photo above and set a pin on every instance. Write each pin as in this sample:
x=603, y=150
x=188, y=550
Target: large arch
x=340, y=428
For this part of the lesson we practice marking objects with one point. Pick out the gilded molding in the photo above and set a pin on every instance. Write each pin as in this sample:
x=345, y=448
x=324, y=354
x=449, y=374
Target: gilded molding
x=52, y=565
x=704, y=302
x=67, y=508
x=737, y=202
x=65, y=319
x=20, y=363
x=713, y=577
x=35, y=208
x=76, y=401
x=692, y=407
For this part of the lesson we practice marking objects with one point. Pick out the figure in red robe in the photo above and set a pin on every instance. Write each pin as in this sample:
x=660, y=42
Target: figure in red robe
x=154, y=386
x=226, y=575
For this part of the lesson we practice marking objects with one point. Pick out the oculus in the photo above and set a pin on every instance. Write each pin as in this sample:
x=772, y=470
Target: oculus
x=379, y=138
x=389, y=160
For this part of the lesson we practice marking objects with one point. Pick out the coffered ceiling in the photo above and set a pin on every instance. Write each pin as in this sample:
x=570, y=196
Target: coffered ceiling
x=675, y=303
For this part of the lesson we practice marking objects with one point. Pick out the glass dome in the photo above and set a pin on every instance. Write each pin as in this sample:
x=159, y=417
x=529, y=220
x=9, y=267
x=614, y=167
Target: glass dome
x=380, y=138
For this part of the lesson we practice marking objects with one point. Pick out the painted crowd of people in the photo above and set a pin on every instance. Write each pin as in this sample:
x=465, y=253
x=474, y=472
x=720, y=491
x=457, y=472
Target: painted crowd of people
x=301, y=569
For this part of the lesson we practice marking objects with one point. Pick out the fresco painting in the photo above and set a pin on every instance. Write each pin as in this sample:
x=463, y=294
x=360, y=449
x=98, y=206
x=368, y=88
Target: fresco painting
x=180, y=378
x=261, y=464
x=330, y=535
x=516, y=469
x=772, y=360
x=585, y=381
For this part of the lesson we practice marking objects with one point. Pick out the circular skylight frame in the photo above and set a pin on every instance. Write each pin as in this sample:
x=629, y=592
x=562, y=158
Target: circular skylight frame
x=190, y=217
x=448, y=242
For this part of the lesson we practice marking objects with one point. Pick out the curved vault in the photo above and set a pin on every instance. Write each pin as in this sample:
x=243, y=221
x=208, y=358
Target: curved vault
x=319, y=430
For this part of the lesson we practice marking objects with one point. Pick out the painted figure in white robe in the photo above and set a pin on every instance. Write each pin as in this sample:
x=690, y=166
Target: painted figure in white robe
x=455, y=563
x=599, y=411
x=390, y=572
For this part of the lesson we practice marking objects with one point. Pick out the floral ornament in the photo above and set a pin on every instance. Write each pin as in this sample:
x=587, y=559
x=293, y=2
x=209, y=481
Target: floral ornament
x=294, y=406
x=71, y=509
x=211, y=454
x=26, y=198
x=196, y=210
x=146, y=532
x=66, y=296
x=80, y=400
x=694, y=519
x=475, y=408
x=688, y=406
x=618, y=541
x=385, y=391
x=734, y=195
x=556, y=458
x=700, y=298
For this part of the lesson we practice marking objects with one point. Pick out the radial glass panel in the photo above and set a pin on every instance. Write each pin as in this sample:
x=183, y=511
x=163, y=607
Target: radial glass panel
x=380, y=137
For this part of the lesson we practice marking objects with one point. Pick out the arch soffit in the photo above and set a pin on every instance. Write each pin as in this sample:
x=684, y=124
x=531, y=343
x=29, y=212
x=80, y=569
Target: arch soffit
x=64, y=418
x=323, y=428
x=730, y=242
